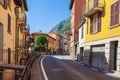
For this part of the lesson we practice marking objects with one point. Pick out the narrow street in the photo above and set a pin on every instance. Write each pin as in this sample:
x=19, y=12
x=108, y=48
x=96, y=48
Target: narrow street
x=50, y=68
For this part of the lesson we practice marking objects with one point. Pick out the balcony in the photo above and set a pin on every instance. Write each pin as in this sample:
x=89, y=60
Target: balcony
x=93, y=6
x=82, y=21
x=25, y=30
x=21, y=19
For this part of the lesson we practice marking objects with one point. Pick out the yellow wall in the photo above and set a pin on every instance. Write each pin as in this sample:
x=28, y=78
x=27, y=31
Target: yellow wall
x=51, y=43
x=106, y=31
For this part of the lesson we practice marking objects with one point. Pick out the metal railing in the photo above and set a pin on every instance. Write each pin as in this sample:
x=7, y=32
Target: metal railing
x=27, y=71
x=94, y=3
x=5, y=55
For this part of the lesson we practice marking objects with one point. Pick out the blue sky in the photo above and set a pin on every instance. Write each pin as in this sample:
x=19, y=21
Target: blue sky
x=45, y=14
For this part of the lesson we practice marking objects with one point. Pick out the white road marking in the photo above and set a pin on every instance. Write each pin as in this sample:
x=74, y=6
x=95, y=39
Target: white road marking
x=43, y=70
x=94, y=69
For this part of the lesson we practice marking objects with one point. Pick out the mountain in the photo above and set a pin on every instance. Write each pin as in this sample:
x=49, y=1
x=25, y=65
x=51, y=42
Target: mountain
x=62, y=26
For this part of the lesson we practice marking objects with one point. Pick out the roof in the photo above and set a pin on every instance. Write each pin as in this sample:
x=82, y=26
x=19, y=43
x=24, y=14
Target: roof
x=25, y=5
x=50, y=36
x=41, y=33
x=19, y=3
x=71, y=4
x=37, y=33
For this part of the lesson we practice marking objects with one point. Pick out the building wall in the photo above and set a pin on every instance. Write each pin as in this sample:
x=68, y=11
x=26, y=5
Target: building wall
x=51, y=41
x=81, y=42
x=106, y=43
x=72, y=54
x=8, y=37
x=57, y=37
x=78, y=12
x=108, y=37
x=106, y=31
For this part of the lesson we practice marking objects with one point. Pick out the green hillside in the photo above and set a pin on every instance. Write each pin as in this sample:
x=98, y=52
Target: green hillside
x=62, y=26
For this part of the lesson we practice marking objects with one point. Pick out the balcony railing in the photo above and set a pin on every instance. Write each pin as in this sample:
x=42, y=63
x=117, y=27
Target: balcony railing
x=21, y=17
x=93, y=6
x=25, y=30
x=82, y=21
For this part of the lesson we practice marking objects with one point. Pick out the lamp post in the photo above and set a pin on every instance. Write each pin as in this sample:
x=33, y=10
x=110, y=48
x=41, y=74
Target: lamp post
x=28, y=28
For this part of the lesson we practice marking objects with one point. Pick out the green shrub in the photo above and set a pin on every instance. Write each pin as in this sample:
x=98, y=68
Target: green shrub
x=42, y=42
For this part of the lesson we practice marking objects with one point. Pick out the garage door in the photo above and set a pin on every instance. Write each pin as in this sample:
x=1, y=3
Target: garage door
x=98, y=56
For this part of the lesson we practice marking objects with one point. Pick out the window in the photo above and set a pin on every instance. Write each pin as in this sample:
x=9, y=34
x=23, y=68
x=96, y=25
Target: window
x=95, y=23
x=114, y=18
x=95, y=2
x=82, y=32
x=9, y=23
x=9, y=55
x=5, y=4
x=9, y=4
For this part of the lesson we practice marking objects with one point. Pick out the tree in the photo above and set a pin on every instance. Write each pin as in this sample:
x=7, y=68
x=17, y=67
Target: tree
x=42, y=42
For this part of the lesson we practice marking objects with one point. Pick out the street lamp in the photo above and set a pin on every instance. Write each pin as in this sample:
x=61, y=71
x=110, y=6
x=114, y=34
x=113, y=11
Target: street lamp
x=28, y=28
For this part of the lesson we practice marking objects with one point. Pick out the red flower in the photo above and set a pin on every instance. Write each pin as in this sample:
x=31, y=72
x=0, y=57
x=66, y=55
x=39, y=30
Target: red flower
x=40, y=44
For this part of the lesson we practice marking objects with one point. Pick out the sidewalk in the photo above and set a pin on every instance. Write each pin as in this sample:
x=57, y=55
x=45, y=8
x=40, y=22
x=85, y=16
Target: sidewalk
x=36, y=70
x=115, y=74
x=67, y=57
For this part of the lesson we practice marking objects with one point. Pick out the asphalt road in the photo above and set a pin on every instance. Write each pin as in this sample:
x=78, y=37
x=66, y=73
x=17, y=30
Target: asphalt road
x=49, y=68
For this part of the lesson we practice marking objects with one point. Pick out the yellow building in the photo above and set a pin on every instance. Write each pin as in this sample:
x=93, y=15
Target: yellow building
x=20, y=29
x=102, y=39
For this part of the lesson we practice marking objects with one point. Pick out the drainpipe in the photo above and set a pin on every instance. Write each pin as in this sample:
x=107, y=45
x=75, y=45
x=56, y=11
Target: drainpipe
x=16, y=34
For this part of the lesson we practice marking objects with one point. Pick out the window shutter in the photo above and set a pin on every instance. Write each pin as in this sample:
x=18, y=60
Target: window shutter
x=95, y=2
x=9, y=23
x=91, y=24
x=5, y=4
x=112, y=15
x=99, y=21
x=116, y=18
x=9, y=55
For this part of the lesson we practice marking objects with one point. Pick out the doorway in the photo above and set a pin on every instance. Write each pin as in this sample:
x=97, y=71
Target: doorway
x=81, y=53
x=113, y=55
x=1, y=42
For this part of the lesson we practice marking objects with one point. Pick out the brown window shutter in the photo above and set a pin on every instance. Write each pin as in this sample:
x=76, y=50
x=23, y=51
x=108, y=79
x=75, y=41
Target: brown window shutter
x=9, y=55
x=91, y=24
x=95, y=2
x=5, y=4
x=116, y=7
x=112, y=15
x=99, y=21
x=9, y=23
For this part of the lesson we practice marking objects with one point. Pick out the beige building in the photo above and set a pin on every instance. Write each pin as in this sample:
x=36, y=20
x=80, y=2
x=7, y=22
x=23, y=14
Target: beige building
x=7, y=30
x=7, y=35
x=51, y=40
x=8, y=23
